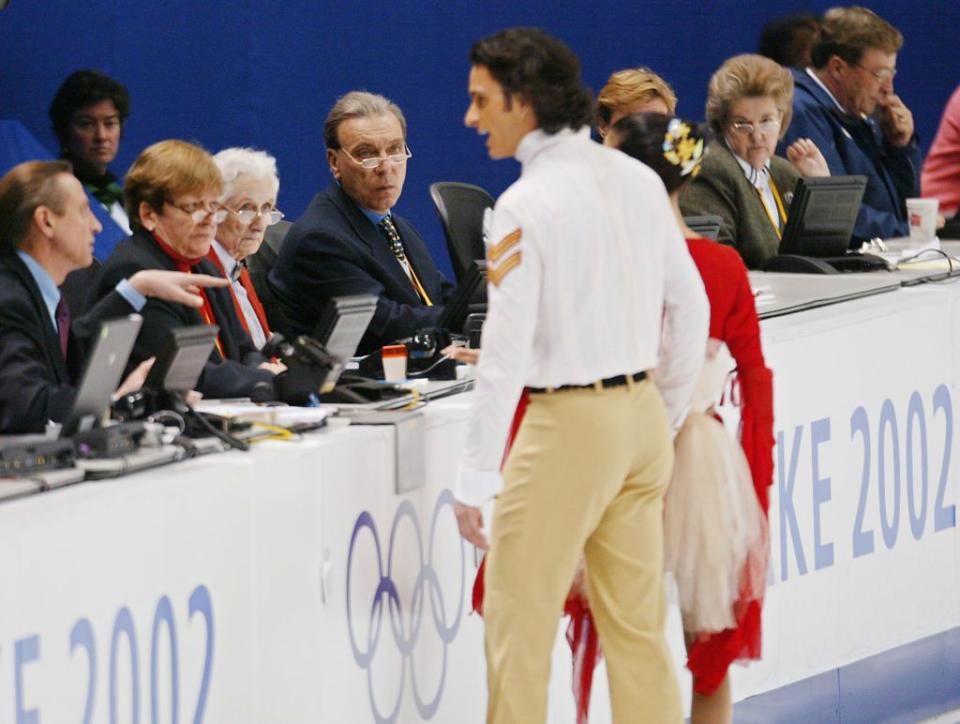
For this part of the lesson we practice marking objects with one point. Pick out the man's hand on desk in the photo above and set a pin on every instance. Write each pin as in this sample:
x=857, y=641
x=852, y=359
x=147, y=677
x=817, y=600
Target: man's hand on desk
x=135, y=379
x=275, y=367
x=462, y=354
x=470, y=522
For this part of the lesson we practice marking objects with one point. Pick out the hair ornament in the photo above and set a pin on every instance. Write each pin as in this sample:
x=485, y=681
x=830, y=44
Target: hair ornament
x=681, y=148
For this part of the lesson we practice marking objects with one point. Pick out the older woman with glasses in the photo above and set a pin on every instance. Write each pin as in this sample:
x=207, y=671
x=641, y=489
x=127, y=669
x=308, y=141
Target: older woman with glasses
x=249, y=196
x=749, y=105
x=172, y=196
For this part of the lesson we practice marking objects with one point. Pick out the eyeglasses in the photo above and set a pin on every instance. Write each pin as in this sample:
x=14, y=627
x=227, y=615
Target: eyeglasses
x=747, y=128
x=246, y=214
x=198, y=210
x=882, y=75
x=370, y=160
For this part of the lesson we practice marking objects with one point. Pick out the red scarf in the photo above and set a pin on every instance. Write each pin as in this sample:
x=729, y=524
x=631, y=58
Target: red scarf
x=185, y=264
x=247, y=284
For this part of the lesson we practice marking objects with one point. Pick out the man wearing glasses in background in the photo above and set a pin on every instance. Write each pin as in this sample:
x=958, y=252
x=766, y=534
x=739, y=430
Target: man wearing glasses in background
x=348, y=241
x=845, y=104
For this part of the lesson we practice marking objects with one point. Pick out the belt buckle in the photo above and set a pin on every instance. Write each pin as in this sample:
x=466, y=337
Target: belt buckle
x=598, y=385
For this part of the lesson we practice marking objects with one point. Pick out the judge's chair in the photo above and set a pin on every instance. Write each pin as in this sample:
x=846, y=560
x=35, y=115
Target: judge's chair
x=460, y=208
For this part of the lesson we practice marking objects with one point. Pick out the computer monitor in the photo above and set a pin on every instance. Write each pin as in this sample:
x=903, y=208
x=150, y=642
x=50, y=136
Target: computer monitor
x=471, y=291
x=343, y=322
x=102, y=372
x=178, y=367
x=821, y=216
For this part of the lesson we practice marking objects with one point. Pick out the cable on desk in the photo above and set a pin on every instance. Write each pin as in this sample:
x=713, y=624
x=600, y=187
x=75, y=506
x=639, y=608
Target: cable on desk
x=930, y=278
x=279, y=432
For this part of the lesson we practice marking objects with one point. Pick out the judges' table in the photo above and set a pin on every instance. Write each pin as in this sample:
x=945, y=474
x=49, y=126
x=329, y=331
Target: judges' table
x=294, y=584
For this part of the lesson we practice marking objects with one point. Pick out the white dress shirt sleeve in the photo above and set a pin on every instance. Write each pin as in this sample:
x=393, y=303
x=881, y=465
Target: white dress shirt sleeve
x=686, y=323
x=513, y=296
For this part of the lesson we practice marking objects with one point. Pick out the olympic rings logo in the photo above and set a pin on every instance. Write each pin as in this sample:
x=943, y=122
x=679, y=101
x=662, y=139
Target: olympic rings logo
x=426, y=581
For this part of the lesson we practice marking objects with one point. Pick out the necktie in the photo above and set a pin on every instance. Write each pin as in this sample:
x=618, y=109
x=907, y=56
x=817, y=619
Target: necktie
x=396, y=246
x=237, y=270
x=62, y=314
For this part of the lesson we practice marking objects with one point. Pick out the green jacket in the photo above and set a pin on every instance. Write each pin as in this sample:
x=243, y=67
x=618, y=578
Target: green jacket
x=721, y=188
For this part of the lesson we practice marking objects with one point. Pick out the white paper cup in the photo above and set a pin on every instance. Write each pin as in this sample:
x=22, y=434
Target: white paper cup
x=394, y=362
x=923, y=219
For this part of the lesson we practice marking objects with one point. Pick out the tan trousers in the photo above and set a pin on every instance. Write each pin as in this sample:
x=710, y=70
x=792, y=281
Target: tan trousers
x=586, y=476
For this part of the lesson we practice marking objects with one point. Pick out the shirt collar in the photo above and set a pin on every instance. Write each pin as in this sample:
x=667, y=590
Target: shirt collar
x=48, y=287
x=225, y=258
x=537, y=140
x=816, y=79
x=375, y=216
x=759, y=178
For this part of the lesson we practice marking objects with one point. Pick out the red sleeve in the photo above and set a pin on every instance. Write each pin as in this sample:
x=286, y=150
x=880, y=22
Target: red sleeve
x=741, y=327
x=733, y=319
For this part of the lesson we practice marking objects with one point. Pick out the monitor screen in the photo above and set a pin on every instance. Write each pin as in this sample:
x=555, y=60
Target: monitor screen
x=101, y=374
x=179, y=367
x=821, y=216
x=343, y=323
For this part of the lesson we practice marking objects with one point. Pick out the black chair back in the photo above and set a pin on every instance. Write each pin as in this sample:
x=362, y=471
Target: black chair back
x=460, y=208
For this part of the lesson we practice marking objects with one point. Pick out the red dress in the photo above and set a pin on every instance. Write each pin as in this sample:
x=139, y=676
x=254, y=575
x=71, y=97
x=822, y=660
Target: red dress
x=733, y=320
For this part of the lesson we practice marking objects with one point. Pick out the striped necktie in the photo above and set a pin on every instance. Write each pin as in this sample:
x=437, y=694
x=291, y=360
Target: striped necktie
x=396, y=246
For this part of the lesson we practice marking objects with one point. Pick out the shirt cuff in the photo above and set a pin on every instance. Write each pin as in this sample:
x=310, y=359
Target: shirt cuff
x=476, y=487
x=134, y=298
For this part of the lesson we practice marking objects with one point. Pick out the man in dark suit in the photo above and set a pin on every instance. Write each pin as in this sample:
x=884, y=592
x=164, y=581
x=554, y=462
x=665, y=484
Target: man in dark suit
x=846, y=105
x=47, y=231
x=348, y=241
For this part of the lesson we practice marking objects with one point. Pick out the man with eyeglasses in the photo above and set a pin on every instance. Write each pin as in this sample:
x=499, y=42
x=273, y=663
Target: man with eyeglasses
x=846, y=105
x=349, y=241
x=46, y=231
x=249, y=197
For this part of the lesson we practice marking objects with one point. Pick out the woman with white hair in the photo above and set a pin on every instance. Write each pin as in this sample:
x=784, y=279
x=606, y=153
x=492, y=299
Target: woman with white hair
x=250, y=187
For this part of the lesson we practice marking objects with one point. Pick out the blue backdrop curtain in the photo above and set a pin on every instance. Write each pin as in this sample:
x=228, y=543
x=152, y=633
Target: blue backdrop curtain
x=265, y=74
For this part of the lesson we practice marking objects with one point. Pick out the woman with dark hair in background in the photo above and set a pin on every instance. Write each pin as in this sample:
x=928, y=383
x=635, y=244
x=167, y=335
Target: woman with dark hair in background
x=88, y=113
x=715, y=526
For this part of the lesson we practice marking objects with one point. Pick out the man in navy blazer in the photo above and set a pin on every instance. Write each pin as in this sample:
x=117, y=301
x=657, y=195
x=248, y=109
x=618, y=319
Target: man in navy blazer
x=348, y=241
x=47, y=231
x=845, y=104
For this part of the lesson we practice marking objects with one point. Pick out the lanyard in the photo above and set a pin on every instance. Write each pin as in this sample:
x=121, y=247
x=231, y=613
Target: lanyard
x=777, y=227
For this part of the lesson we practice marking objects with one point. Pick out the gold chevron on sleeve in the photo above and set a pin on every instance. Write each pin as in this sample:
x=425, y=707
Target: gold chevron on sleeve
x=504, y=245
x=495, y=276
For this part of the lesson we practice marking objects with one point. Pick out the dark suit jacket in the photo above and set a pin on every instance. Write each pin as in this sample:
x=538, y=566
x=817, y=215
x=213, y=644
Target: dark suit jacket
x=234, y=376
x=36, y=382
x=855, y=146
x=335, y=250
x=722, y=188
x=259, y=265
